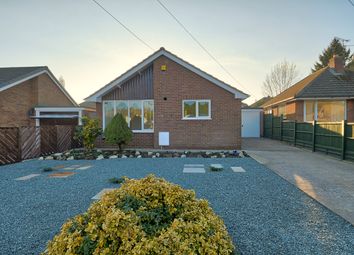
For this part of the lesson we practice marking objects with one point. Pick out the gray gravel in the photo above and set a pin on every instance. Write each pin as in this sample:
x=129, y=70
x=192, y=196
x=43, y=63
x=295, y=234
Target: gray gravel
x=263, y=213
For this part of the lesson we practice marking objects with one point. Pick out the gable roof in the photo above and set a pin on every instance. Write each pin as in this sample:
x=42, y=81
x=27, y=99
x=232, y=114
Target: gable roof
x=12, y=76
x=260, y=102
x=324, y=83
x=97, y=96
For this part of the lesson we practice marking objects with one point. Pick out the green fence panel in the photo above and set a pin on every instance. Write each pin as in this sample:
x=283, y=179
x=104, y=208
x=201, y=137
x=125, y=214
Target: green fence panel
x=329, y=138
x=288, y=131
x=268, y=125
x=349, y=141
x=277, y=128
x=304, y=133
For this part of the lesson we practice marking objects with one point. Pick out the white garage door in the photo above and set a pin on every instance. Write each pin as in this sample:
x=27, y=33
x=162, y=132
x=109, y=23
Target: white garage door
x=251, y=122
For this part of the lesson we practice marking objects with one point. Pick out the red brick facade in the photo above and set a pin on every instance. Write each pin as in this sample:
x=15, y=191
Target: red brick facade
x=170, y=88
x=17, y=101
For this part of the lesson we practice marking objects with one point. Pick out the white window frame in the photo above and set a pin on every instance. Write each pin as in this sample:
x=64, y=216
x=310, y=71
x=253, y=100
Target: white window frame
x=316, y=109
x=197, y=117
x=128, y=103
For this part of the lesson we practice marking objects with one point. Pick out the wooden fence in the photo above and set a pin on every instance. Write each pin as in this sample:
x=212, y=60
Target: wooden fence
x=335, y=138
x=19, y=143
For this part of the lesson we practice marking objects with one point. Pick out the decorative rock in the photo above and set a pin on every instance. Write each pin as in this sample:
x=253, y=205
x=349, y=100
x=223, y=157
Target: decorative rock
x=99, y=151
x=214, y=156
x=216, y=167
x=183, y=156
x=150, y=153
x=153, y=156
x=139, y=156
x=123, y=156
x=223, y=156
x=207, y=153
x=67, y=153
x=137, y=153
x=40, y=158
x=70, y=158
x=113, y=156
x=49, y=158
x=157, y=154
x=57, y=154
x=100, y=157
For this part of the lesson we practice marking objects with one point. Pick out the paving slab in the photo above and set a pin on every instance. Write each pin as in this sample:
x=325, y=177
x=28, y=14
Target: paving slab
x=237, y=169
x=193, y=170
x=83, y=167
x=101, y=193
x=27, y=177
x=61, y=175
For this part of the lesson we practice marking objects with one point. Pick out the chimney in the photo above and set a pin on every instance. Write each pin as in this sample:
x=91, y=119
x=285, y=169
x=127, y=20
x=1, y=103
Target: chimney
x=337, y=63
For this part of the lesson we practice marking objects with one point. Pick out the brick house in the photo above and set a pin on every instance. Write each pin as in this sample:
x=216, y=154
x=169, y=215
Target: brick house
x=325, y=95
x=32, y=96
x=167, y=101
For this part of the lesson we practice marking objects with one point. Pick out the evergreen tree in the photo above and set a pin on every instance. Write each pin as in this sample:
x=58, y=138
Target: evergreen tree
x=335, y=48
x=117, y=132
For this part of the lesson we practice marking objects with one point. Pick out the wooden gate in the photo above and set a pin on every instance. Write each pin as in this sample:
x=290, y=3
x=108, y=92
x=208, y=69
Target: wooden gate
x=64, y=138
x=30, y=139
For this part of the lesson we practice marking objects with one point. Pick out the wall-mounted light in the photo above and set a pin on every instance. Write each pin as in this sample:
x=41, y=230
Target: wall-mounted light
x=163, y=67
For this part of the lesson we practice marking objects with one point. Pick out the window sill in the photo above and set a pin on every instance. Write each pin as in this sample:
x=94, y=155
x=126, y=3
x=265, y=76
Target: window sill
x=143, y=131
x=196, y=118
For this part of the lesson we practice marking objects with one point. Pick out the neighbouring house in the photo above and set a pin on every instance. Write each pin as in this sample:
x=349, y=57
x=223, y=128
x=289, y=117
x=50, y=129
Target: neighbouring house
x=260, y=102
x=168, y=102
x=89, y=109
x=326, y=95
x=32, y=96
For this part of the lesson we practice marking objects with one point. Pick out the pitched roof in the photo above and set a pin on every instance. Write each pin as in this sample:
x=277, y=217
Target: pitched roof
x=292, y=92
x=162, y=52
x=12, y=76
x=260, y=102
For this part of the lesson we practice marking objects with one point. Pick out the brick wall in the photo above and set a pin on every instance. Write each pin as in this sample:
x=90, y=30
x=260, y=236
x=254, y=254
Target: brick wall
x=15, y=104
x=177, y=83
x=350, y=110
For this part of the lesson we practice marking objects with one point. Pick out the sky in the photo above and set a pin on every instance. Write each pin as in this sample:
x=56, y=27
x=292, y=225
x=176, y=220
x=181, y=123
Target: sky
x=80, y=42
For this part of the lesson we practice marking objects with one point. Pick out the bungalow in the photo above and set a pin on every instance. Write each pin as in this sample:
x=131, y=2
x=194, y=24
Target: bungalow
x=326, y=95
x=168, y=102
x=32, y=96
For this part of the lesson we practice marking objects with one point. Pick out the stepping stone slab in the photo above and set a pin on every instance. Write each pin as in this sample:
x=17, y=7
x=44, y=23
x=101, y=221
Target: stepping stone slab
x=73, y=167
x=101, y=193
x=58, y=167
x=237, y=169
x=216, y=167
x=83, y=167
x=194, y=165
x=191, y=170
x=27, y=177
x=61, y=175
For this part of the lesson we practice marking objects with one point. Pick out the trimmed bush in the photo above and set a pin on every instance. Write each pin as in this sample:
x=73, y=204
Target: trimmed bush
x=117, y=131
x=146, y=216
x=88, y=132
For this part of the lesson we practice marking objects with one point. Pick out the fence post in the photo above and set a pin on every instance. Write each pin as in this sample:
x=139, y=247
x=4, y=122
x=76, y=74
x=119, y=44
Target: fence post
x=294, y=132
x=281, y=127
x=344, y=136
x=314, y=136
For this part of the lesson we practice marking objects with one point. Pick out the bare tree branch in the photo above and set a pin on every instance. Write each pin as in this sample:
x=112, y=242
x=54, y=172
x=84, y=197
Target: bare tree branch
x=281, y=77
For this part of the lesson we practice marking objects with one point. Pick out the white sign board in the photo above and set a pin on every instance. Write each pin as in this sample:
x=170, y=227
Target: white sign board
x=164, y=138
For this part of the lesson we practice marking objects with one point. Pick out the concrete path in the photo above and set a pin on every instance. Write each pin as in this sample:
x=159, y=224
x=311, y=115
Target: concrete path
x=326, y=179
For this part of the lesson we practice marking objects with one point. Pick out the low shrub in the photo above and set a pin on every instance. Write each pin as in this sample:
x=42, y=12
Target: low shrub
x=146, y=216
x=88, y=132
x=117, y=180
x=48, y=169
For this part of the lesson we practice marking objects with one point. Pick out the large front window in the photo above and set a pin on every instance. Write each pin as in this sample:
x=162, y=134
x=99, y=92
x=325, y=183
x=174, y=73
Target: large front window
x=196, y=109
x=139, y=114
x=330, y=111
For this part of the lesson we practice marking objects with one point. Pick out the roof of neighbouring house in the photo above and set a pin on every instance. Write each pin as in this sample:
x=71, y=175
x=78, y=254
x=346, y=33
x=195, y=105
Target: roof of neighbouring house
x=162, y=52
x=89, y=105
x=324, y=83
x=260, y=102
x=12, y=76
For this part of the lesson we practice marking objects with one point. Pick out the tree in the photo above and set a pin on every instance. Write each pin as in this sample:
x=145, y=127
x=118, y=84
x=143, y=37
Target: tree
x=334, y=48
x=118, y=132
x=281, y=77
x=61, y=80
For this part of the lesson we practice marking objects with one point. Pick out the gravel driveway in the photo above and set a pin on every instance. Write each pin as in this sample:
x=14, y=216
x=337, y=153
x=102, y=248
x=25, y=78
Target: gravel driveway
x=264, y=213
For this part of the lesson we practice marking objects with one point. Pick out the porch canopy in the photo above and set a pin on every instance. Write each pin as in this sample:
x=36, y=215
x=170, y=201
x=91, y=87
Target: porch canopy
x=53, y=114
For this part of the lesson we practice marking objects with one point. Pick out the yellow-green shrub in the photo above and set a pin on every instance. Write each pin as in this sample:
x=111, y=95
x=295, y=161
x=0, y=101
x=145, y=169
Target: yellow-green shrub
x=146, y=216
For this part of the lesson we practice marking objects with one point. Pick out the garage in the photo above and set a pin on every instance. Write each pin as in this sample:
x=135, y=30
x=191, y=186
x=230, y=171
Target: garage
x=251, y=119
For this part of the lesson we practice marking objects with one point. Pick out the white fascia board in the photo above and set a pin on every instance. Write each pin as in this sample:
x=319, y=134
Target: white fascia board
x=37, y=74
x=97, y=97
x=59, y=109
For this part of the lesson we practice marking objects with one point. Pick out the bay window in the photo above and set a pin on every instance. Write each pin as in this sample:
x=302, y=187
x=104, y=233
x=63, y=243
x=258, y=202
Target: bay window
x=139, y=114
x=322, y=110
x=196, y=109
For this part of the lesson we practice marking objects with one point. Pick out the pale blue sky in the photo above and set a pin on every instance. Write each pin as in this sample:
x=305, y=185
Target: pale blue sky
x=79, y=41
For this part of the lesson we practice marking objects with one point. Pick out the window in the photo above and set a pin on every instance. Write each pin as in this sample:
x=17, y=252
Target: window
x=139, y=114
x=196, y=109
x=330, y=111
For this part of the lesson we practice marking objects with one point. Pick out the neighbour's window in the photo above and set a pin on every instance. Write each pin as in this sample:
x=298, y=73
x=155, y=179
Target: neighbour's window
x=330, y=111
x=139, y=114
x=281, y=110
x=196, y=109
